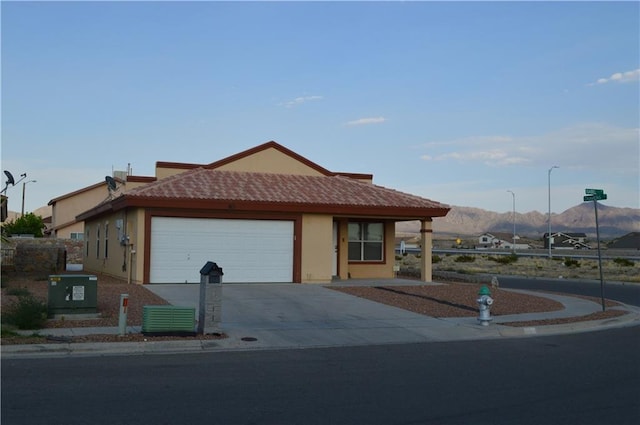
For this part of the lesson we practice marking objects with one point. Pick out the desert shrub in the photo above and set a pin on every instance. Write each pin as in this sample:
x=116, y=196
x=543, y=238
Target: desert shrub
x=5, y=332
x=27, y=312
x=20, y=292
x=570, y=262
x=465, y=259
x=624, y=262
x=504, y=259
x=435, y=259
x=25, y=224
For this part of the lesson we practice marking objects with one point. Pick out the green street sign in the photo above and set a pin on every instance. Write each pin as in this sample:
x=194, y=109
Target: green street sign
x=594, y=192
x=597, y=197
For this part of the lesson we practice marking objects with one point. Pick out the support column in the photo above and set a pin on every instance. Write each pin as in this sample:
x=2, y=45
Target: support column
x=426, y=243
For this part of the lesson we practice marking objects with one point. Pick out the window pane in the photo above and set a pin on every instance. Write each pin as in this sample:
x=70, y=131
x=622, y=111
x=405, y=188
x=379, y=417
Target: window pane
x=373, y=231
x=354, y=251
x=372, y=251
x=354, y=232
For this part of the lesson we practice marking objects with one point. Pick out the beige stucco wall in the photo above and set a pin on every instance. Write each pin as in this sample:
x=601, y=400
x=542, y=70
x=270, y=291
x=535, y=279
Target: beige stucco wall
x=136, y=229
x=97, y=262
x=317, y=248
x=119, y=255
x=270, y=161
x=66, y=231
x=162, y=172
x=267, y=161
x=64, y=211
x=426, y=265
x=343, y=249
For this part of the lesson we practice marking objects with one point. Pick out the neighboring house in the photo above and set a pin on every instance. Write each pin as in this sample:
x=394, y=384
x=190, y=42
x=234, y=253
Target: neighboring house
x=628, y=241
x=264, y=215
x=561, y=240
x=65, y=208
x=500, y=240
x=408, y=244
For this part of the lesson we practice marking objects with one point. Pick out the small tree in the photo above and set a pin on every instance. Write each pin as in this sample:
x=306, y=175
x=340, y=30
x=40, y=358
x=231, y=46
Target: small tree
x=28, y=224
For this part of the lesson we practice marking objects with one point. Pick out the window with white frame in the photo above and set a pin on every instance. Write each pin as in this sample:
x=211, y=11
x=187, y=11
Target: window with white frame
x=366, y=241
x=77, y=236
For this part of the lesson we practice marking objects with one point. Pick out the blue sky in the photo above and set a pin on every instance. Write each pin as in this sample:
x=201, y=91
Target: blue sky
x=453, y=101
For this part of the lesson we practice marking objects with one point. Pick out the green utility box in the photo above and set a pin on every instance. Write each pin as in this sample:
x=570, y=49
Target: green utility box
x=72, y=294
x=162, y=319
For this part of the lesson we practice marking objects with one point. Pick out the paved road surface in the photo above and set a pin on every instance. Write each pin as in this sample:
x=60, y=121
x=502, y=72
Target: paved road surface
x=588, y=378
x=627, y=293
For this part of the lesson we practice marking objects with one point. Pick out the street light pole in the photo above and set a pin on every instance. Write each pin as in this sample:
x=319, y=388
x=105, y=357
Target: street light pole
x=549, y=218
x=23, y=188
x=513, y=247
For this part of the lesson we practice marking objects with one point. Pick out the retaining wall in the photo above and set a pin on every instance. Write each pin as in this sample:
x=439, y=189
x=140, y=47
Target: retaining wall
x=42, y=255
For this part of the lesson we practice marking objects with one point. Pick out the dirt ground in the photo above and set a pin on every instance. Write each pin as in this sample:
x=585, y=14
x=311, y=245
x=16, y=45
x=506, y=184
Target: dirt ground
x=448, y=300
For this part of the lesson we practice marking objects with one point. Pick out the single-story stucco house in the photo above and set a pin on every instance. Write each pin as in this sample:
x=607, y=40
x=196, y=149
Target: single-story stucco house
x=264, y=215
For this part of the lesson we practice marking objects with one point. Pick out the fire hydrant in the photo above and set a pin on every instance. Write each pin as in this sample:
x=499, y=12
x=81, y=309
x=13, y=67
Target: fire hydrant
x=484, y=304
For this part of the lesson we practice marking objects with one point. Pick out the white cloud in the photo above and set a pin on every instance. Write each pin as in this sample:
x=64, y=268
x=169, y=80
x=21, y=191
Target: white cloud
x=619, y=77
x=366, y=121
x=299, y=101
x=581, y=146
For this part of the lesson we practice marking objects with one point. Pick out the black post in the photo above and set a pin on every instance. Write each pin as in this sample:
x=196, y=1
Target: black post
x=202, y=304
x=595, y=206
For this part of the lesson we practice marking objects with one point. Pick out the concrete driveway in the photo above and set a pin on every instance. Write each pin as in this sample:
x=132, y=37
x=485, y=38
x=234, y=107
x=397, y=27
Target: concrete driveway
x=287, y=315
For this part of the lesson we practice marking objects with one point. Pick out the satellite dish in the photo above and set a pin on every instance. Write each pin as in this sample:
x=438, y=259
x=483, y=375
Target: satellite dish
x=10, y=180
x=111, y=183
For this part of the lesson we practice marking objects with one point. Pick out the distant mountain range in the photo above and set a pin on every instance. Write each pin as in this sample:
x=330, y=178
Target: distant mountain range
x=468, y=221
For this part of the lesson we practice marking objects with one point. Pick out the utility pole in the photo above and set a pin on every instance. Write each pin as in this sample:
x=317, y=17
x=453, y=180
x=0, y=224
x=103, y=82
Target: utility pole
x=549, y=238
x=23, y=188
x=513, y=247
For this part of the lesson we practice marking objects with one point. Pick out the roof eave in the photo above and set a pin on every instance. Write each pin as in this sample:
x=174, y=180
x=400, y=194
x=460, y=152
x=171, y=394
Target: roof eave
x=404, y=213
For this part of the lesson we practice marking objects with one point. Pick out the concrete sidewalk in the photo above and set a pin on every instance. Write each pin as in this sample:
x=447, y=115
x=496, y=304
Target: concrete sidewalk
x=284, y=316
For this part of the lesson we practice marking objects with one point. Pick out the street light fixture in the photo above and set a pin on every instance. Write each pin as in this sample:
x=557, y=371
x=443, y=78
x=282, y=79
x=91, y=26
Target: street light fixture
x=513, y=247
x=23, y=187
x=549, y=239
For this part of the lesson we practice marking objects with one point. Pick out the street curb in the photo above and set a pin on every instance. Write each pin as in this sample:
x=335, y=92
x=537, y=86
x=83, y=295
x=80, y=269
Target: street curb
x=31, y=351
x=103, y=348
x=629, y=319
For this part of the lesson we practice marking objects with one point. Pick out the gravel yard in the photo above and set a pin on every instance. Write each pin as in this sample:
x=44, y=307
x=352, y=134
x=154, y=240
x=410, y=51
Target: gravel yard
x=558, y=268
x=447, y=300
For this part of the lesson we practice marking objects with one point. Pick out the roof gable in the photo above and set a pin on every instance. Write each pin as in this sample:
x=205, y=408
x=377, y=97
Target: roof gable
x=270, y=157
x=499, y=235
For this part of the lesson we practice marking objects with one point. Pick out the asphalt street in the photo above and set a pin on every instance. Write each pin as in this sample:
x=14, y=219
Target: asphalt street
x=628, y=293
x=586, y=378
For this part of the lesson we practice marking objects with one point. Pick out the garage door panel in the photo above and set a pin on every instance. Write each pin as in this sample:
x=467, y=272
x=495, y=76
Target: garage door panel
x=247, y=250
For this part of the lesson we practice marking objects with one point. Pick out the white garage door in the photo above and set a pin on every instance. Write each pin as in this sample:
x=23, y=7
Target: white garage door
x=247, y=250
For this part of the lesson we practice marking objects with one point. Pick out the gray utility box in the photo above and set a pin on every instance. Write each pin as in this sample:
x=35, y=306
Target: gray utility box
x=72, y=294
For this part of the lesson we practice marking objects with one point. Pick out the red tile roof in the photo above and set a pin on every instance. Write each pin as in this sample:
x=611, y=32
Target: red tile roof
x=216, y=189
x=263, y=187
